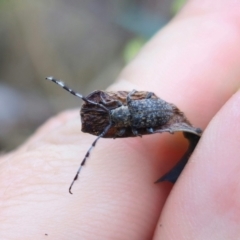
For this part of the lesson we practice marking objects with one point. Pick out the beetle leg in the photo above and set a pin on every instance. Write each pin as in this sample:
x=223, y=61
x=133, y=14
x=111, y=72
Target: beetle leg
x=119, y=104
x=120, y=132
x=164, y=130
x=129, y=96
x=149, y=95
x=150, y=130
x=135, y=132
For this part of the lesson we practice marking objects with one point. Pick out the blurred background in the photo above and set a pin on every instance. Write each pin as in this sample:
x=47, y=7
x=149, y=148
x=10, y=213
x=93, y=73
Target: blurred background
x=84, y=43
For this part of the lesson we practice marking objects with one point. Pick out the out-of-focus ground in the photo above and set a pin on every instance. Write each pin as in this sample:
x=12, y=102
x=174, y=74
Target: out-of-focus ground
x=84, y=43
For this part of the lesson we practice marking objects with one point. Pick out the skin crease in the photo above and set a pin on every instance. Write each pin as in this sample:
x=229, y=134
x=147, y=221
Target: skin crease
x=194, y=63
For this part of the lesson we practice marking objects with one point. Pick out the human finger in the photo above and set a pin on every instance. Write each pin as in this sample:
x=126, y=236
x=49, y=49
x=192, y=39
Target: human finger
x=205, y=205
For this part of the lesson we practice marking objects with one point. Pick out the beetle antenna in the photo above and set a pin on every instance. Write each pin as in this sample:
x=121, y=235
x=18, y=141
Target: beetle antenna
x=88, y=154
x=62, y=84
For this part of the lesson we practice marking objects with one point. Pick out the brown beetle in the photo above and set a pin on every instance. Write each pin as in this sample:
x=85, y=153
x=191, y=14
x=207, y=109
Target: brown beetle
x=124, y=114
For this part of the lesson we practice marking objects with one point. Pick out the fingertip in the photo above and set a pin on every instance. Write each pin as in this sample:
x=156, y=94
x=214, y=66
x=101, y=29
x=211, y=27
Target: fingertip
x=209, y=186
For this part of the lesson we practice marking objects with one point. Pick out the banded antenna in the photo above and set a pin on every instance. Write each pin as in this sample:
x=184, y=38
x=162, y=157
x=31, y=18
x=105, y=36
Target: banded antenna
x=62, y=84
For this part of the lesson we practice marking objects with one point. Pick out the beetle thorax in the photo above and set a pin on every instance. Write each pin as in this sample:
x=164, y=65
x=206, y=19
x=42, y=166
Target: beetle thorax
x=121, y=116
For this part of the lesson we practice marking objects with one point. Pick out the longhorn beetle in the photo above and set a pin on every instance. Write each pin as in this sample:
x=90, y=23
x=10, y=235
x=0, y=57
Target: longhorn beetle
x=129, y=114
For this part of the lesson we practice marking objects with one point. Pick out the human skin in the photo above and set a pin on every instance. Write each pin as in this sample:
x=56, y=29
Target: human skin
x=194, y=63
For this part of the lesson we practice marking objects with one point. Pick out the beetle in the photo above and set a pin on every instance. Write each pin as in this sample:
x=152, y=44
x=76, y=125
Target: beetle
x=124, y=114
